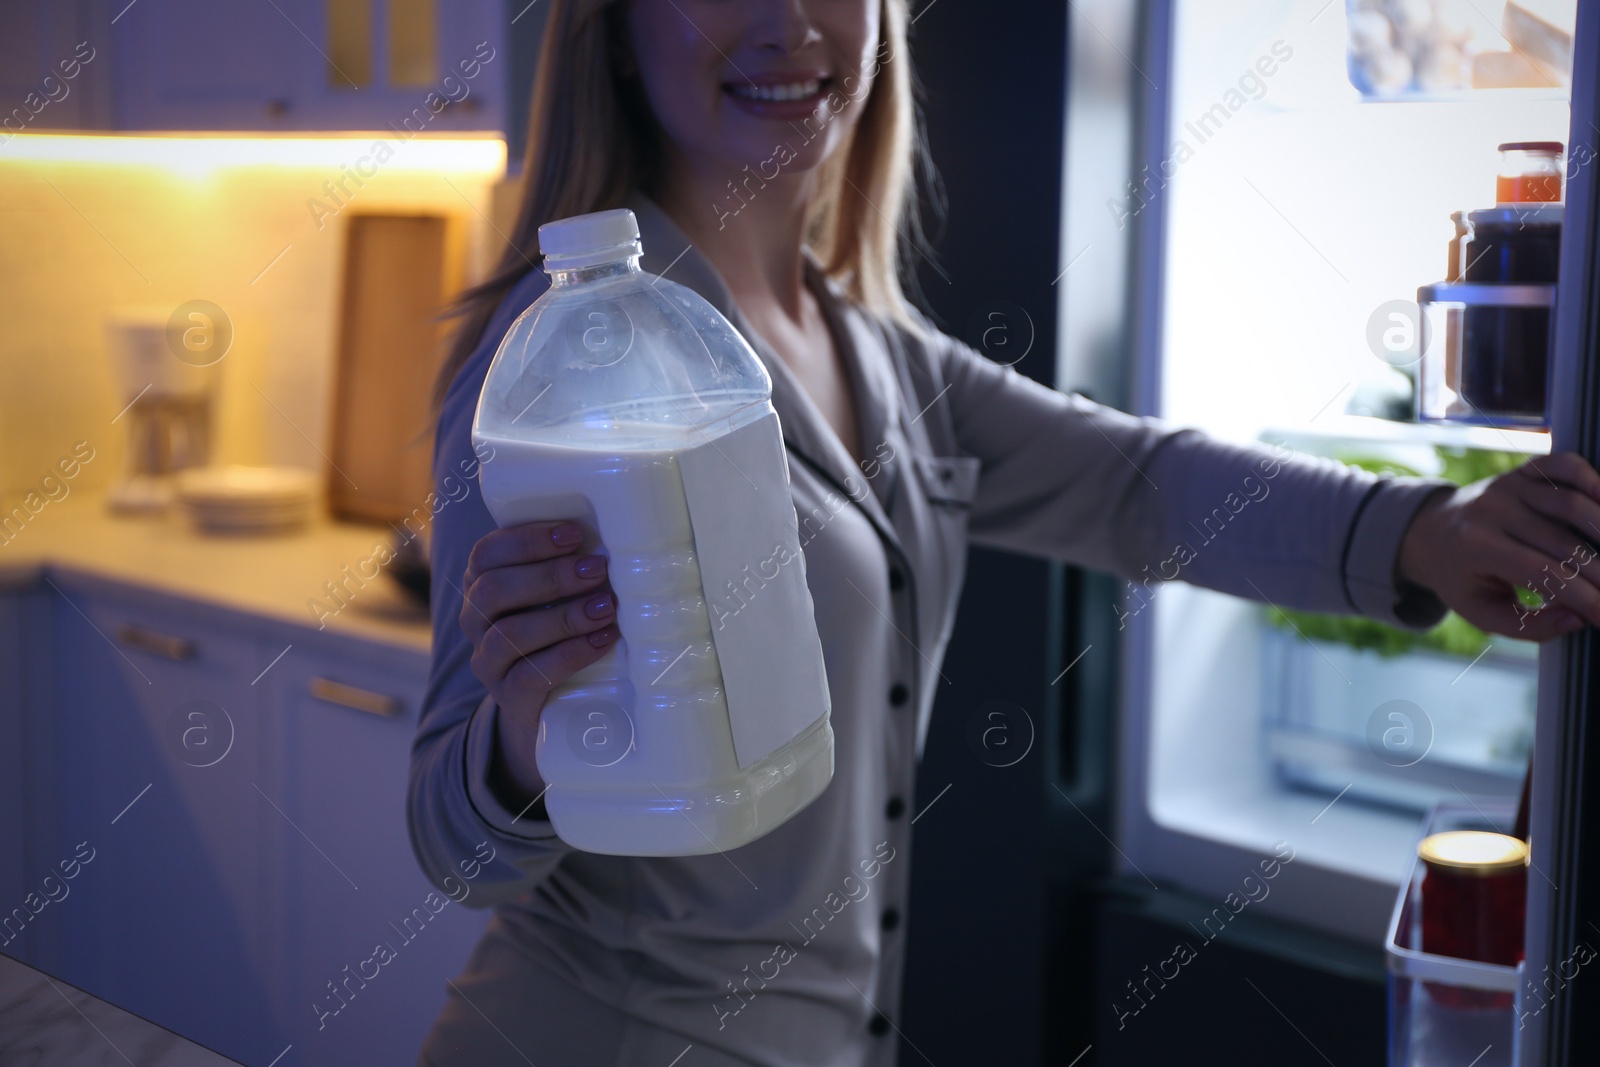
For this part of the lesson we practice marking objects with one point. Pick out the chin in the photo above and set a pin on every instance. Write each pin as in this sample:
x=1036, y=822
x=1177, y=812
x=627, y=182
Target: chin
x=782, y=151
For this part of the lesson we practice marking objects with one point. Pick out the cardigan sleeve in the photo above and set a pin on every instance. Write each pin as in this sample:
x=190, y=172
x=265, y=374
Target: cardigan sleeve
x=1064, y=477
x=454, y=818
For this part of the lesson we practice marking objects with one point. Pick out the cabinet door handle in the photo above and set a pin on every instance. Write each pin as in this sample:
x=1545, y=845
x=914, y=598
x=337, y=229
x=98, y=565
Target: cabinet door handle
x=157, y=644
x=349, y=696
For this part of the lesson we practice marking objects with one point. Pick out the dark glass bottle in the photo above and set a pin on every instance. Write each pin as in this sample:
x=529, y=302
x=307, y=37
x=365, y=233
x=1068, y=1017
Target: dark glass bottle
x=1505, y=351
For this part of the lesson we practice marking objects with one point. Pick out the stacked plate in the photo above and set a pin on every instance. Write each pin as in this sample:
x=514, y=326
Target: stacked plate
x=247, y=500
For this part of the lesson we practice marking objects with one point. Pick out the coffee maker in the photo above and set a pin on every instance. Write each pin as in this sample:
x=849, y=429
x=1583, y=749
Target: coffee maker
x=169, y=391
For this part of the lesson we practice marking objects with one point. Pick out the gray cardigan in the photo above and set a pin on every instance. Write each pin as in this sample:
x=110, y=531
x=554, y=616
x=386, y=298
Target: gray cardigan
x=774, y=953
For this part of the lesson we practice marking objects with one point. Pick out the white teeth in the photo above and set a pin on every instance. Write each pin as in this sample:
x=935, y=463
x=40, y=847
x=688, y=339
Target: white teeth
x=792, y=91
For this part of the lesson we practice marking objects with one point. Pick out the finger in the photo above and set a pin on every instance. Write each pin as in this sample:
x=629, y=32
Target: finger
x=1557, y=584
x=1541, y=624
x=524, y=543
x=1568, y=506
x=530, y=679
x=1564, y=468
x=1491, y=604
x=1571, y=556
x=1498, y=611
x=505, y=590
x=524, y=634
x=518, y=637
x=1579, y=596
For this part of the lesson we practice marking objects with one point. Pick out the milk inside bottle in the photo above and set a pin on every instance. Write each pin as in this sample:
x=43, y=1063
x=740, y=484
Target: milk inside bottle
x=627, y=403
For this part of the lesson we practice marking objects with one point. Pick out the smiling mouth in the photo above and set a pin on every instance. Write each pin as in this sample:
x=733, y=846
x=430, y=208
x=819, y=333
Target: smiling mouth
x=803, y=90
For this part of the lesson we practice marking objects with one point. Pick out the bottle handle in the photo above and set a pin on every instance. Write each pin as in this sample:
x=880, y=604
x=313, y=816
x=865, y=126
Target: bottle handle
x=599, y=730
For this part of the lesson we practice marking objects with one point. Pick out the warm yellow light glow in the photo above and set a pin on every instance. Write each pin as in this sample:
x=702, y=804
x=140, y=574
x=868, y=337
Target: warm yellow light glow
x=198, y=156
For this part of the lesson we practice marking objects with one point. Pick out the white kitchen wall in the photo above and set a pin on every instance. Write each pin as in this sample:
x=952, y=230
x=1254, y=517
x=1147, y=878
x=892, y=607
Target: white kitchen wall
x=95, y=223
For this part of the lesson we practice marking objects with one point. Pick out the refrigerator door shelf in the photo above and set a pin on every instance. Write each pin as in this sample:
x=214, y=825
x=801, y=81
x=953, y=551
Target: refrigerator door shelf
x=1490, y=340
x=1424, y=1028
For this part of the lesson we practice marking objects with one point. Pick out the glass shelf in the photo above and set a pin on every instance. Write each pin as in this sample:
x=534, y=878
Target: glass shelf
x=1531, y=95
x=1336, y=430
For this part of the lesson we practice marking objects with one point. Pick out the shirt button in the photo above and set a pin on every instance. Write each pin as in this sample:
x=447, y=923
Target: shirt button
x=891, y=918
x=898, y=694
x=895, y=808
x=897, y=580
x=879, y=1024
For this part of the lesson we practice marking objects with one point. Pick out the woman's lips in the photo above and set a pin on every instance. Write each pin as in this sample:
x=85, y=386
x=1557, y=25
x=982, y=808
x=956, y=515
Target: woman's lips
x=782, y=100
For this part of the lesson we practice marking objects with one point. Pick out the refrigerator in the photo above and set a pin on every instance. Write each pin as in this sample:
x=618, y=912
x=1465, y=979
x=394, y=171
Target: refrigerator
x=1251, y=203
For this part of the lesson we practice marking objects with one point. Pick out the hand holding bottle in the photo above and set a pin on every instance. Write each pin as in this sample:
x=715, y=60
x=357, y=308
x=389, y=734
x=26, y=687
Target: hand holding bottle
x=536, y=613
x=692, y=715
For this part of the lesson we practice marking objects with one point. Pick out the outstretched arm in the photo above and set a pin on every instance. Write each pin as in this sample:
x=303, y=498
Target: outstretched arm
x=1068, y=478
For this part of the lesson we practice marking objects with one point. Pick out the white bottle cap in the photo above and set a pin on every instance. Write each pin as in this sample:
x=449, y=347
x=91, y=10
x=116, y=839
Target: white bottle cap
x=587, y=240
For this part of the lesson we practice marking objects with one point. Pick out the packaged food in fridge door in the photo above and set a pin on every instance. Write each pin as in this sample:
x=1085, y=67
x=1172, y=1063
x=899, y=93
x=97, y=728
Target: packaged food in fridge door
x=1541, y=32
x=1403, y=47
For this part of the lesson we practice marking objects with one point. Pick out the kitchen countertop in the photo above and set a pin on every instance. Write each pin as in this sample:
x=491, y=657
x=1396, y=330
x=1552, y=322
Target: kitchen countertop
x=274, y=576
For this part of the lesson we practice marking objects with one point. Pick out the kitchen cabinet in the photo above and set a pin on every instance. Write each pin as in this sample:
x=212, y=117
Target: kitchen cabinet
x=310, y=65
x=49, y=79
x=392, y=66
x=369, y=942
x=229, y=793
x=19, y=697
x=13, y=794
x=244, y=66
x=157, y=760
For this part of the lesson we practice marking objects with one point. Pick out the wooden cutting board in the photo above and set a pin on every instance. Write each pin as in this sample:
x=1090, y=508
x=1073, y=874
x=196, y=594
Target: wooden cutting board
x=399, y=271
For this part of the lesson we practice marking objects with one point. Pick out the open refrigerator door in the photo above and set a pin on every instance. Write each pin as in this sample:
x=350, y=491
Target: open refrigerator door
x=1312, y=180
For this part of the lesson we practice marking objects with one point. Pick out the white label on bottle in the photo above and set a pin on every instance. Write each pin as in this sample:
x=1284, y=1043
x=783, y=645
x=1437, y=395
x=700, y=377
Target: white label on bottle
x=754, y=579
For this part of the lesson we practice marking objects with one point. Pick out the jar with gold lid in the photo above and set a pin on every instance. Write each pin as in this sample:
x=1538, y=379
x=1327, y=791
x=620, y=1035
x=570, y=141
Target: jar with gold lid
x=1474, y=898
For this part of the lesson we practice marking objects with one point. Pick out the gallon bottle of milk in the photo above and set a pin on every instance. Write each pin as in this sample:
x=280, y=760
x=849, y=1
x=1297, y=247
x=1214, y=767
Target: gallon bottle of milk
x=627, y=403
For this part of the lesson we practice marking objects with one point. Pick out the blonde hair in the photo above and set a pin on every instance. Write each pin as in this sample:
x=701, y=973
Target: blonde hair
x=592, y=139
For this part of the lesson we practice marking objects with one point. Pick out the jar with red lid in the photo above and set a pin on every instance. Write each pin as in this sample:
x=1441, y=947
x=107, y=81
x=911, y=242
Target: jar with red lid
x=1474, y=899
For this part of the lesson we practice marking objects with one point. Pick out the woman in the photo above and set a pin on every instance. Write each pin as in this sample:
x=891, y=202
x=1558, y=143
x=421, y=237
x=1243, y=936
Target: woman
x=766, y=146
